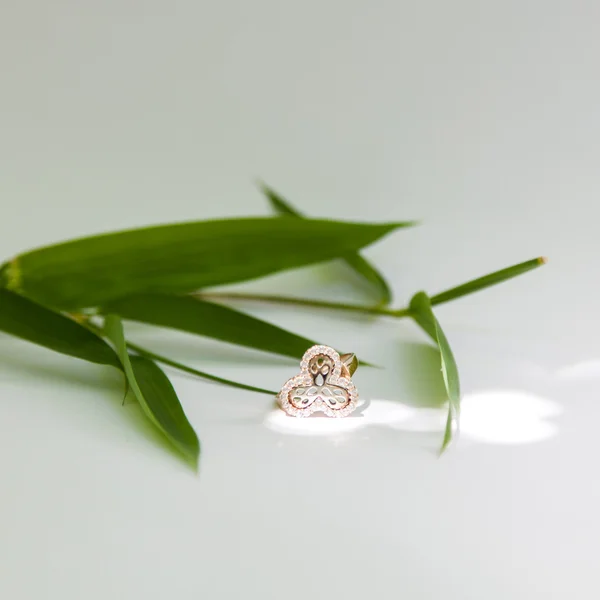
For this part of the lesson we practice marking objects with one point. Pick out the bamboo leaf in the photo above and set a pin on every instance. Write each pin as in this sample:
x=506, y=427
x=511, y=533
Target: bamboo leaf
x=216, y=321
x=30, y=321
x=155, y=394
x=487, y=280
x=354, y=260
x=196, y=372
x=422, y=313
x=447, y=432
x=363, y=267
x=180, y=258
x=279, y=204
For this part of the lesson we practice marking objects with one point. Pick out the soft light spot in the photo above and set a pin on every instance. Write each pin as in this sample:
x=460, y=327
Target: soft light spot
x=316, y=424
x=492, y=417
x=507, y=417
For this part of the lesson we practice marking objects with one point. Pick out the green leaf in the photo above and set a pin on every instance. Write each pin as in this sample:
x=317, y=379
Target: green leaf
x=487, y=280
x=421, y=312
x=281, y=206
x=354, y=260
x=363, y=267
x=155, y=394
x=447, y=431
x=180, y=258
x=30, y=321
x=212, y=320
x=192, y=371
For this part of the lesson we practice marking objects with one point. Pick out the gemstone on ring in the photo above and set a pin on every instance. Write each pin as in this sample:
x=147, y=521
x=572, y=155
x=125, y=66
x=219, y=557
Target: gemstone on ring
x=324, y=384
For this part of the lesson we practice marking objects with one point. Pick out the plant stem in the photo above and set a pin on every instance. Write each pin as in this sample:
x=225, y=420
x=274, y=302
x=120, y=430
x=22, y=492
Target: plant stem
x=357, y=308
x=469, y=287
x=192, y=371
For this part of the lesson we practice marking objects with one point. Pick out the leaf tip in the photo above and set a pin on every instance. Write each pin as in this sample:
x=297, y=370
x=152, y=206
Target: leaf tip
x=11, y=276
x=196, y=464
x=542, y=260
x=261, y=185
x=399, y=224
x=448, y=432
x=443, y=448
x=191, y=454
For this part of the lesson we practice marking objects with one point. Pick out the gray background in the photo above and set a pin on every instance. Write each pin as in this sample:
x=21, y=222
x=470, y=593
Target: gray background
x=481, y=119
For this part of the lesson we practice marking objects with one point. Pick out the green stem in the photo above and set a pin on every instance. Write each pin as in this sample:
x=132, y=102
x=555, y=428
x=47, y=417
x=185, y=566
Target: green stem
x=470, y=287
x=186, y=369
x=357, y=308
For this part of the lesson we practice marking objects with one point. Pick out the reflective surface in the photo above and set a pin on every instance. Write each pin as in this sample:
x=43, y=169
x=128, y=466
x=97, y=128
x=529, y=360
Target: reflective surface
x=479, y=119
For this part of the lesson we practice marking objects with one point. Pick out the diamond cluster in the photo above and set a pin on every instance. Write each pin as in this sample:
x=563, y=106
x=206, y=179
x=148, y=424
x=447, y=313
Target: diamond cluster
x=304, y=379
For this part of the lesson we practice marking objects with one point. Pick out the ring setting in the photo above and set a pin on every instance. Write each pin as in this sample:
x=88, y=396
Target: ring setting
x=324, y=384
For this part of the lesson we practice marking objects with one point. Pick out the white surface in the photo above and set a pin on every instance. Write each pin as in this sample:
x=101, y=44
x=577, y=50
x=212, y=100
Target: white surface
x=481, y=118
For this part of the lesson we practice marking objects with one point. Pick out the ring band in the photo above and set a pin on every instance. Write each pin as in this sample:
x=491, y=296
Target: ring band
x=324, y=384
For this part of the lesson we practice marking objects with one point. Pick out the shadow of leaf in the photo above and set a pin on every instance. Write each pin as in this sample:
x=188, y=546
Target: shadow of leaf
x=422, y=375
x=62, y=370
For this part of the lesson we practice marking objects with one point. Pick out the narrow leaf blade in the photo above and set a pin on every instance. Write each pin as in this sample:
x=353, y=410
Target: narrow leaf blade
x=355, y=261
x=164, y=405
x=449, y=369
x=280, y=204
x=363, y=267
x=487, y=280
x=30, y=321
x=447, y=432
x=422, y=313
x=202, y=374
x=209, y=319
x=155, y=394
x=180, y=258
